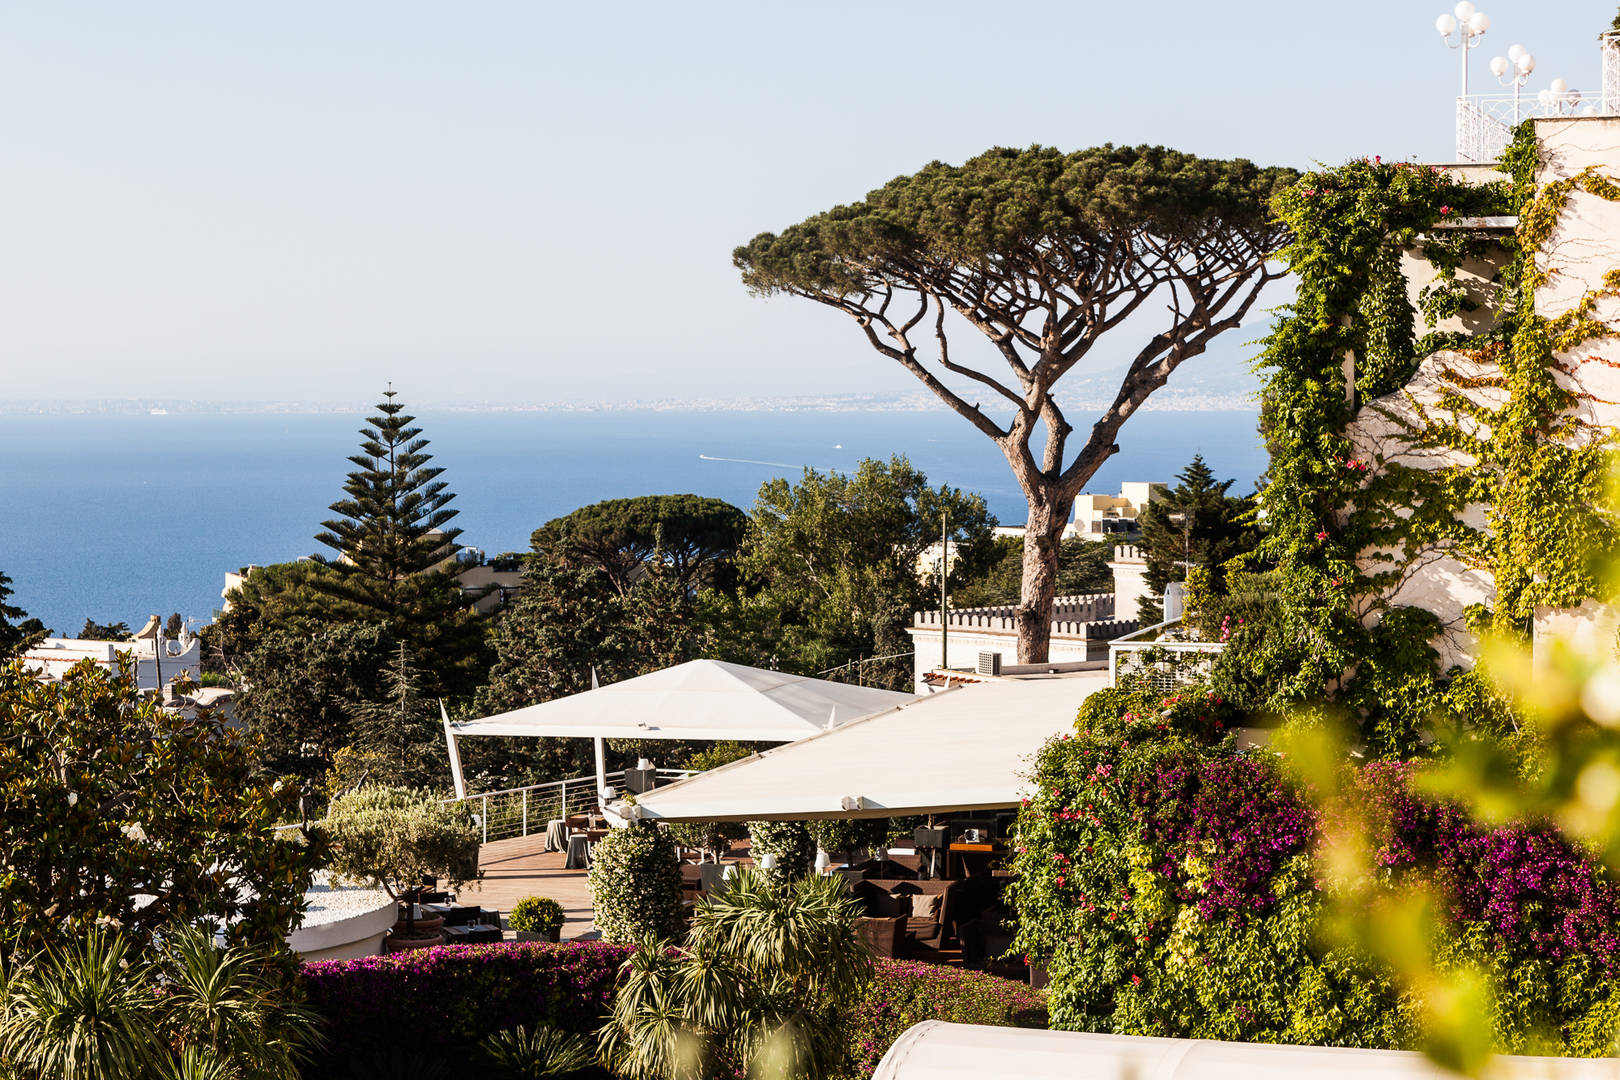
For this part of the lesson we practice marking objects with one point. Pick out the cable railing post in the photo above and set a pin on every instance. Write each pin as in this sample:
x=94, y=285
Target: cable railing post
x=525, y=811
x=485, y=816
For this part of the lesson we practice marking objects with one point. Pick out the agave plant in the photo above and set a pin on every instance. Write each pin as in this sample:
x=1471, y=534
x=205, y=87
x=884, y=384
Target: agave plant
x=757, y=987
x=86, y=1011
x=521, y=1054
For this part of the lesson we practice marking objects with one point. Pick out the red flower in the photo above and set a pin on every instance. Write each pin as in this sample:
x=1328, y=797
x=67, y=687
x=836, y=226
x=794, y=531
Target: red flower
x=1444, y=210
x=1322, y=535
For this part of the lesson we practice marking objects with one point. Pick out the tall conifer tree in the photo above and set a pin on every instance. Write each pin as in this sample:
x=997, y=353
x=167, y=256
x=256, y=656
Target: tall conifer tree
x=397, y=548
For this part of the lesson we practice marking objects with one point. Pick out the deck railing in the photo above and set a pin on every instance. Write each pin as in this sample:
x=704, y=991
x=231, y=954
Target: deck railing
x=519, y=811
x=513, y=812
x=1159, y=660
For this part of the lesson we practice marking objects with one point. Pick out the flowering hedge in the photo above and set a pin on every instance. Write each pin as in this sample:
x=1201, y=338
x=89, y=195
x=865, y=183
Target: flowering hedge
x=436, y=1002
x=904, y=993
x=1169, y=882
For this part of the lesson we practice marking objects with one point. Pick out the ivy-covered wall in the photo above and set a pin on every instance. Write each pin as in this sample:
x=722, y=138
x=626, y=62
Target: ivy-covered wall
x=1437, y=449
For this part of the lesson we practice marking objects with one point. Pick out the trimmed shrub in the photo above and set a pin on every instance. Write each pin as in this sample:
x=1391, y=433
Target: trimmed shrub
x=536, y=915
x=395, y=837
x=904, y=992
x=838, y=835
x=636, y=884
x=442, y=1002
x=789, y=841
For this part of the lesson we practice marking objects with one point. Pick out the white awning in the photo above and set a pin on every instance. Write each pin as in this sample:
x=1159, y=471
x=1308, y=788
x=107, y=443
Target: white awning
x=933, y=1050
x=698, y=700
x=963, y=749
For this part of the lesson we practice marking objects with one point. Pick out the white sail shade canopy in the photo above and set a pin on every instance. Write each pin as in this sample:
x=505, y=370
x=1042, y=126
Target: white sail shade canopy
x=699, y=700
x=960, y=750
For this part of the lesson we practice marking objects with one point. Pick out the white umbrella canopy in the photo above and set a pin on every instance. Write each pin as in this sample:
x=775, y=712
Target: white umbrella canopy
x=961, y=750
x=697, y=700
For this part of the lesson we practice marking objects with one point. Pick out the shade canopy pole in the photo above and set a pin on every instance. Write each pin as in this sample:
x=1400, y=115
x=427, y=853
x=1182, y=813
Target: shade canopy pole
x=601, y=754
x=455, y=753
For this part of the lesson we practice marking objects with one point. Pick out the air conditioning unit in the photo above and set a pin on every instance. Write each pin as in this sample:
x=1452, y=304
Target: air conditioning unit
x=989, y=663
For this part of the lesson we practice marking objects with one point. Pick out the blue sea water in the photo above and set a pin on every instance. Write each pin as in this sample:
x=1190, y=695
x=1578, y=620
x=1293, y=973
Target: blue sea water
x=115, y=517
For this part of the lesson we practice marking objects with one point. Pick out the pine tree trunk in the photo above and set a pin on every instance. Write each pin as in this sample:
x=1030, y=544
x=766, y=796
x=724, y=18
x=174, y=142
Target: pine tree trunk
x=1043, y=537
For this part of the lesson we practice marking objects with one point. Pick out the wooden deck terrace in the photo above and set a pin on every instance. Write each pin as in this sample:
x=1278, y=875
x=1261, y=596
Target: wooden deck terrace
x=522, y=867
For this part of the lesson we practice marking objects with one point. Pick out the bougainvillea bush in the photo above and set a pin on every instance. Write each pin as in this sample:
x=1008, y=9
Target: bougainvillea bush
x=437, y=1004
x=904, y=992
x=440, y=1002
x=1170, y=883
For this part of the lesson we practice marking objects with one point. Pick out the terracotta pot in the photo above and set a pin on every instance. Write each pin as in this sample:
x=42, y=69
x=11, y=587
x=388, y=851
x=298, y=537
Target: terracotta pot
x=398, y=942
x=426, y=925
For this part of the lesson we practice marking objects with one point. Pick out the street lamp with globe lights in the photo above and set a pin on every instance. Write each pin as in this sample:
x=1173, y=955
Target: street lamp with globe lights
x=1514, y=69
x=1469, y=24
x=1558, y=96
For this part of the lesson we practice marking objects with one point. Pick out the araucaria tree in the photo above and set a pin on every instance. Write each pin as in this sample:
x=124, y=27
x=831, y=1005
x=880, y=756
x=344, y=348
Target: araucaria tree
x=396, y=544
x=1042, y=253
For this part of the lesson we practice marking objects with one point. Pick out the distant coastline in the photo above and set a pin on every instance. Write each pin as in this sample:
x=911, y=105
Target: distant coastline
x=1167, y=400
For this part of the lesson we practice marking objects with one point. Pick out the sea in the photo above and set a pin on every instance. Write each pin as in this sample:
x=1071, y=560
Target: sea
x=119, y=516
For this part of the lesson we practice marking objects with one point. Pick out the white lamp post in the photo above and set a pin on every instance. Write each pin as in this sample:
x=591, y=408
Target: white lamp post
x=1469, y=25
x=1514, y=69
x=1558, y=96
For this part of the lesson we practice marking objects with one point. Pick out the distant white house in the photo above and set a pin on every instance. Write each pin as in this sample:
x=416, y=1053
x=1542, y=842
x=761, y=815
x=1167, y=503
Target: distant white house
x=156, y=660
x=1096, y=517
x=486, y=583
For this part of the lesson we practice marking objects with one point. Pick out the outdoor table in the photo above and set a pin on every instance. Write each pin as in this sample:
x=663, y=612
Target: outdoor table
x=556, y=834
x=579, y=852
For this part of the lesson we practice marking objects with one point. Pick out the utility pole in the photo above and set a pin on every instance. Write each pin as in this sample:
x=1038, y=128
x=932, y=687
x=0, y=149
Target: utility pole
x=944, y=591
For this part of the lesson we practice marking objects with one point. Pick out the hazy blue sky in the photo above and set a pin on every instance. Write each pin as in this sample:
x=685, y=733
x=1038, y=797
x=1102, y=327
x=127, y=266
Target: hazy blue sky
x=531, y=201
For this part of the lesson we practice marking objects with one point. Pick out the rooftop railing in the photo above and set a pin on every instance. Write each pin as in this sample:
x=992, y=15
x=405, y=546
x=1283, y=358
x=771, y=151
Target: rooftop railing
x=1485, y=122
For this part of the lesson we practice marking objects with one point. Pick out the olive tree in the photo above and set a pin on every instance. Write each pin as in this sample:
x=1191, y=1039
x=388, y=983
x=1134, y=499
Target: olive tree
x=1042, y=253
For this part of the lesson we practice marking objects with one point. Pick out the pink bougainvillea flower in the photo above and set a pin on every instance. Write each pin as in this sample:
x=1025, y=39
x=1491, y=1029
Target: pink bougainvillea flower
x=1322, y=535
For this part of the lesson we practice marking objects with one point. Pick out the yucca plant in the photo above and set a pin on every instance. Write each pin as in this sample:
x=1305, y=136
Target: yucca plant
x=229, y=1005
x=521, y=1054
x=85, y=1011
x=758, y=986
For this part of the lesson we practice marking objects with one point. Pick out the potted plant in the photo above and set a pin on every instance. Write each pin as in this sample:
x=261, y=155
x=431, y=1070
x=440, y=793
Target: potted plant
x=396, y=837
x=536, y=918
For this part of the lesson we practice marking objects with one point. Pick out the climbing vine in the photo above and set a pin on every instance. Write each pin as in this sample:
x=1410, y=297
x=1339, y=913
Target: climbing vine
x=1352, y=508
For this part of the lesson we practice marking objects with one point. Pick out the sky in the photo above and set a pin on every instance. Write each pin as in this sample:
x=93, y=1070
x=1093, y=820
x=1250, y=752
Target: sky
x=525, y=201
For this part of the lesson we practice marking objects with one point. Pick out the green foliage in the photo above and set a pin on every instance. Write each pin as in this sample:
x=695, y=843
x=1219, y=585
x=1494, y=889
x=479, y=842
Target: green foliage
x=762, y=984
x=1042, y=253
x=17, y=632
x=300, y=685
x=520, y=1054
x=536, y=915
x=1147, y=934
x=397, y=738
x=831, y=564
x=94, y=631
x=717, y=754
x=87, y=1011
x=848, y=835
x=395, y=837
x=904, y=993
x=281, y=596
x=105, y=797
x=1195, y=521
x=396, y=545
x=97, y=1009
x=636, y=885
x=789, y=841
x=694, y=537
x=1082, y=569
